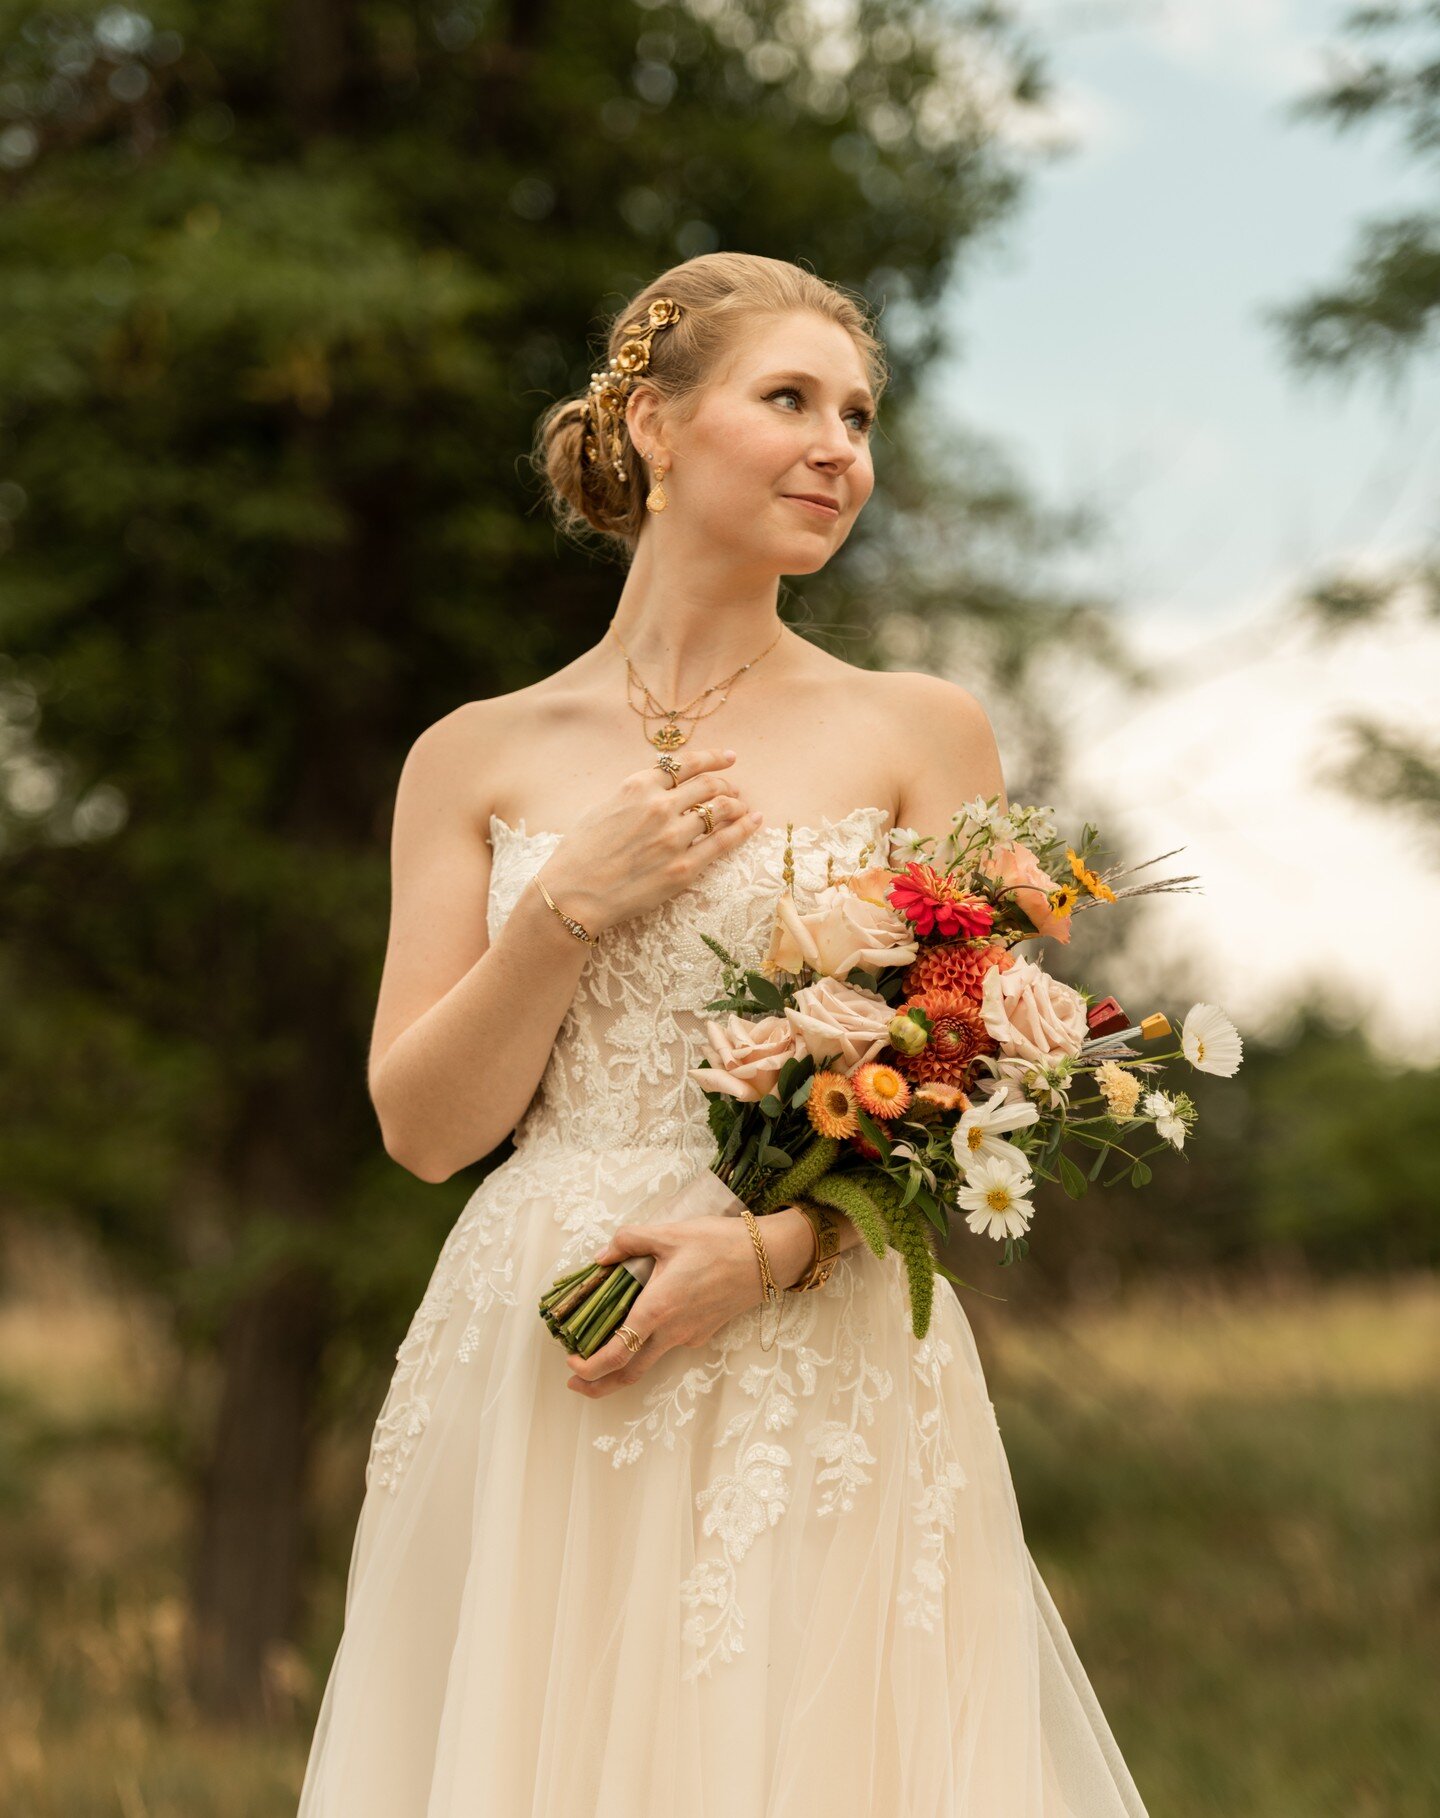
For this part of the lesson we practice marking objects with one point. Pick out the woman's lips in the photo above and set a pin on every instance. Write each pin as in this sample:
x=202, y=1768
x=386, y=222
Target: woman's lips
x=820, y=511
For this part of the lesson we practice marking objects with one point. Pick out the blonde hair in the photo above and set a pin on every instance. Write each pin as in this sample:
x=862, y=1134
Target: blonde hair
x=720, y=294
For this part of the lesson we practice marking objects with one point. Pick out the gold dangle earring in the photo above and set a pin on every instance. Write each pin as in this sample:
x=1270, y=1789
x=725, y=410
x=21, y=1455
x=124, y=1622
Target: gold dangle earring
x=655, y=499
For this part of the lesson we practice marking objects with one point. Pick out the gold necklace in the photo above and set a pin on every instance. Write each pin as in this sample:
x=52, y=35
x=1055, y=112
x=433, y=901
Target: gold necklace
x=669, y=736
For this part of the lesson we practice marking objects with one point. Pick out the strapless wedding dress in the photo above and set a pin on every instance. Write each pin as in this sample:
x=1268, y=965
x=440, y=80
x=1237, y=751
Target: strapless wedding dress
x=783, y=1584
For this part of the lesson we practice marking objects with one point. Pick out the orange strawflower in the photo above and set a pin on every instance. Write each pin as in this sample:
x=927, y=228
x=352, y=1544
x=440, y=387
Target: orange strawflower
x=880, y=1090
x=831, y=1105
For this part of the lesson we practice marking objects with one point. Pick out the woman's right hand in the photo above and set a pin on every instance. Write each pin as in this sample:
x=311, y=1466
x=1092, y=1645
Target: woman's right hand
x=638, y=846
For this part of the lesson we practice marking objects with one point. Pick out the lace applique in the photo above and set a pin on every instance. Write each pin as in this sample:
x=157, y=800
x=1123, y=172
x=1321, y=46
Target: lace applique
x=476, y=1262
x=752, y=1492
x=617, y=1076
x=936, y=1474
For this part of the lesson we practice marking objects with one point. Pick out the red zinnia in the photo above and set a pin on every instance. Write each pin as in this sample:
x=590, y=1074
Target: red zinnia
x=937, y=904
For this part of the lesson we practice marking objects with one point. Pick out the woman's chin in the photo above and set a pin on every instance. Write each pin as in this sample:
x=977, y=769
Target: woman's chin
x=805, y=556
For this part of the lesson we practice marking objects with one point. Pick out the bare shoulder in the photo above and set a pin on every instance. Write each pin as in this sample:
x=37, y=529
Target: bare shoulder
x=948, y=745
x=452, y=763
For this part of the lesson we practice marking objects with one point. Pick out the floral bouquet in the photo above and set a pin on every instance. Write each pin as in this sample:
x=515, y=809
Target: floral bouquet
x=897, y=1058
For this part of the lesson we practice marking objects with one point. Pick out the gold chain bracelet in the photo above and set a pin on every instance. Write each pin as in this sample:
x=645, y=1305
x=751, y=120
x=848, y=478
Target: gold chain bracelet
x=767, y=1279
x=578, y=929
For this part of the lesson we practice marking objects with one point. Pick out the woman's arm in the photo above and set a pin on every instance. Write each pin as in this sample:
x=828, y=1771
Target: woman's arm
x=463, y=1028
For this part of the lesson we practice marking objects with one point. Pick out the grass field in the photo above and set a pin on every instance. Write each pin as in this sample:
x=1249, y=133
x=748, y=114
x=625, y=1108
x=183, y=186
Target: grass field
x=1235, y=1502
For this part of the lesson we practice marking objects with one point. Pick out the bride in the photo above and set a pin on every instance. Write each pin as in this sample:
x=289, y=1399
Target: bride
x=702, y=1573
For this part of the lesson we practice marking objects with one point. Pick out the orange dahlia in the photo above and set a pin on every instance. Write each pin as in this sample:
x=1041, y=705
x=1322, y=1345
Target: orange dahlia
x=880, y=1090
x=957, y=1038
x=831, y=1105
x=955, y=966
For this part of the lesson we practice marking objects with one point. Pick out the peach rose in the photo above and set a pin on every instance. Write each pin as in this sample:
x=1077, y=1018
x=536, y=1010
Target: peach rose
x=1016, y=866
x=745, y=1056
x=1033, y=1017
x=833, y=1018
x=844, y=932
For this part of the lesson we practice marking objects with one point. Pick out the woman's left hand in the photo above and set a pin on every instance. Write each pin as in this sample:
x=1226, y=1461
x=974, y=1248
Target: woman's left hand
x=706, y=1273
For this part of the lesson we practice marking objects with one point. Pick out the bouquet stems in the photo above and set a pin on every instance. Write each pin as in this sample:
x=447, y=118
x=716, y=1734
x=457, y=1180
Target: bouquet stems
x=584, y=1308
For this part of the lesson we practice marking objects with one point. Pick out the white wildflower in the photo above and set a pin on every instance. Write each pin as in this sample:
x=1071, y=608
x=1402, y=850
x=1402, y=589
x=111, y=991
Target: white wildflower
x=978, y=1132
x=906, y=847
x=995, y=1198
x=1033, y=825
x=1173, y=1116
x=1209, y=1040
x=984, y=813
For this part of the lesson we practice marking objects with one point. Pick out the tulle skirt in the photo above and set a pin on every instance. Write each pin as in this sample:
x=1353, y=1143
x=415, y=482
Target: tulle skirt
x=752, y=1584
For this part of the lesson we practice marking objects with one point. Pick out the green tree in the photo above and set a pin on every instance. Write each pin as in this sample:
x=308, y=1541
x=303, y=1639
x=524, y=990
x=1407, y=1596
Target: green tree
x=286, y=286
x=1380, y=316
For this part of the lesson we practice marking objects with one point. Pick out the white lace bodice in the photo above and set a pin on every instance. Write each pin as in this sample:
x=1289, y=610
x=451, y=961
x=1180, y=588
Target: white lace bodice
x=617, y=1076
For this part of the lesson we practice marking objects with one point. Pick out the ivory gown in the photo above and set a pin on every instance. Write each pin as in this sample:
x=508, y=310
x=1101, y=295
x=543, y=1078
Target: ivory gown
x=790, y=1584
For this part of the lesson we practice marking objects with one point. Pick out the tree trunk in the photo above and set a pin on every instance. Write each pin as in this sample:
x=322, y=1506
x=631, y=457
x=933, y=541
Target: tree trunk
x=246, y=1567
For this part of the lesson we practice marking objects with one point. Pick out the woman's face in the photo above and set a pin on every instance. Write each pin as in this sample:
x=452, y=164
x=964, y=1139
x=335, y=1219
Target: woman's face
x=790, y=415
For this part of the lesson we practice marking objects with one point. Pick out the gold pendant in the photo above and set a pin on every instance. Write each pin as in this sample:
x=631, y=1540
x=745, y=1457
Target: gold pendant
x=668, y=738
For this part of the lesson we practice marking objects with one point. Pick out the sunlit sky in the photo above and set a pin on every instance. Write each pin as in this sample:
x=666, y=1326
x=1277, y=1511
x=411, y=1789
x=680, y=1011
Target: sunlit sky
x=1113, y=338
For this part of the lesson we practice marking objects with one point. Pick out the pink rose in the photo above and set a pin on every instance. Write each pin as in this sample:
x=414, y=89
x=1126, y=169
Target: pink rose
x=1033, y=1017
x=745, y=1057
x=833, y=1018
x=844, y=932
x=1016, y=866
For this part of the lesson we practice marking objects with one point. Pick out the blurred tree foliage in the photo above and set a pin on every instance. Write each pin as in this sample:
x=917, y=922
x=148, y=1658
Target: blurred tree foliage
x=285, y=286
x=1313, y=1157
x=1382, y=315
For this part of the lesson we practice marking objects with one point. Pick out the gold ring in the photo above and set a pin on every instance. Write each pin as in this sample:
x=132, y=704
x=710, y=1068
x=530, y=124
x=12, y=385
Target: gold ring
x=632, y=1338
x=671, y=766
x=703, y=810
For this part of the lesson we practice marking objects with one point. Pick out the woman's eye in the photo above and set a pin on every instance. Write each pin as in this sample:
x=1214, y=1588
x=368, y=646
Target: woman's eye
x=863, y=416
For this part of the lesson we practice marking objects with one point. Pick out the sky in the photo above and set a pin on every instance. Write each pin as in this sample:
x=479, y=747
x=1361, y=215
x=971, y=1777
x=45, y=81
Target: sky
x=1113, y=337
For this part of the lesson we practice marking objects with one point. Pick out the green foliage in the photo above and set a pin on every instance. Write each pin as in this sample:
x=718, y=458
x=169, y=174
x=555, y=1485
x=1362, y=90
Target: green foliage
x=909, y=1234
x=847, y=1194
x=1384, y=309
x=796, y=1182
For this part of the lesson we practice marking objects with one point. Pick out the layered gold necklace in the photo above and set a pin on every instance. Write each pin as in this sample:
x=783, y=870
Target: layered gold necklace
x=668, y=735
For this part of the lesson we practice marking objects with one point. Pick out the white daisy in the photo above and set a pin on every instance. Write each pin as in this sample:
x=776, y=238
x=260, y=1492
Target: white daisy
x=978, y=1132
x=1210, y=1040
x=1166, y=1112
x=995, y=1197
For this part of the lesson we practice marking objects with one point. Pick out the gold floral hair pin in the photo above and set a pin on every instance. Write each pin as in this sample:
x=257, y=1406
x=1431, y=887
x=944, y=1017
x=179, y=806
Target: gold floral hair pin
x=610, y=389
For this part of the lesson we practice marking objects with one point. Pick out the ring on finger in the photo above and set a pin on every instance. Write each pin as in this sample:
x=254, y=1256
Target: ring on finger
x=632, y=1339
x=703, y=810
x=671, y=766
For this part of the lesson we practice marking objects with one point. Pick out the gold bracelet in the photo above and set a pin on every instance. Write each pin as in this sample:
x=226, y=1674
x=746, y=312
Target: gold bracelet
x=578, y=929
x=826, y=1224
x=767, y=1279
